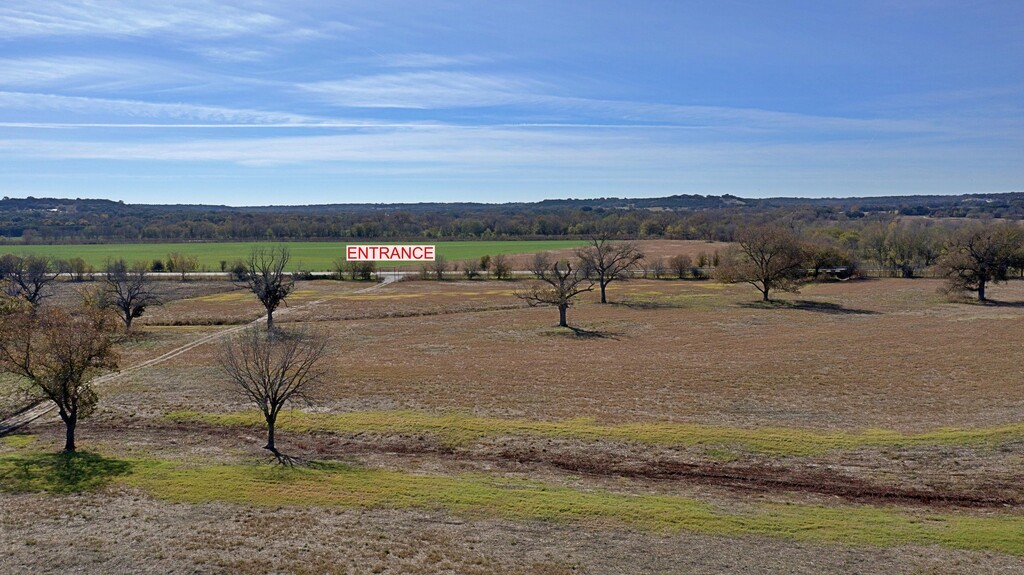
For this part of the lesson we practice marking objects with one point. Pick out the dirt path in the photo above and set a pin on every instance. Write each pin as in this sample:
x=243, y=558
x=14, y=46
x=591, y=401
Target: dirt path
x=33, y=412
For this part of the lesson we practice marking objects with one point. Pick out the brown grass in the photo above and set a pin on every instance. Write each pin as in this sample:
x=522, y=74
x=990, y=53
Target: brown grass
x=839, y=357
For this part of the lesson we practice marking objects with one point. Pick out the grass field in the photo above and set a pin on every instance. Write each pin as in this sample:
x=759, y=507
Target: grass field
x=313, y=256
x=856, y=427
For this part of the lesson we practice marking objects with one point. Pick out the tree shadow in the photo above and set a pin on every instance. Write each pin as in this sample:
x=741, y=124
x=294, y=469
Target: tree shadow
x=995, y=303
x=593, y=334
x=808, y=305
x=60, y=472
x=649, y=304
x=285, y=460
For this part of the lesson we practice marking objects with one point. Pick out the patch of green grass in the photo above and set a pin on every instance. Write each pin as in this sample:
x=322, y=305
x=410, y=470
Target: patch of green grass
x=314, y=256
x=18, y=441
x=337, y=485
x=483, y=496
x=59, y=472
x=459, y=429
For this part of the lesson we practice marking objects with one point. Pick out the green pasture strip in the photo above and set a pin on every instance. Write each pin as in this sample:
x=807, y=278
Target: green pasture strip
x=477, y=495
x=456, y=429
x=313, y=256
x=17, y=441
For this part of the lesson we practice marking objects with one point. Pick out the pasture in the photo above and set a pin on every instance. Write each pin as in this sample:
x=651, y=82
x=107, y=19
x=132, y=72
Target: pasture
x=859, y=426
x=310, y=256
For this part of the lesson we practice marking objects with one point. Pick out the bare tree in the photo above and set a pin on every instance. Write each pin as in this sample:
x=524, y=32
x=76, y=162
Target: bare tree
x=266, y=279
x=270, y=369
x=356, y=270
x=540, y=264
x=471, y=269
x=769, y=258
x=681, y=264
x=608, y=260
x=59, y=352
x=980, y=254
x=438, y=267
x=659, y=267
x=27, y=277
x=500, y=267
x=563, y=284
x=128, y=290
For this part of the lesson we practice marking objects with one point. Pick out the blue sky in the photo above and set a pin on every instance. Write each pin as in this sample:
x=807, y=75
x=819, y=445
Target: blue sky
x=247, y=103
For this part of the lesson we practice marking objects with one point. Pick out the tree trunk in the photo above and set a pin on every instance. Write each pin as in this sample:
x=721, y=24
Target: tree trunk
x=69, y=433
x=604, y=284
x=270, y=435
x=270, y=319
x=981, y=290
x=561, y=316
x=128, y=323
x=764, y=294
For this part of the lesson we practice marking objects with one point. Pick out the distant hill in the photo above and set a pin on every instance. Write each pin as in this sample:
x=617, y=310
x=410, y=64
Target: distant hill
x=678, y=202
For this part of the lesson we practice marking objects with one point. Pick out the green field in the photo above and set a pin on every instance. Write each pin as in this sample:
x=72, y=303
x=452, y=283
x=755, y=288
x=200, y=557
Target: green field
x=313, y=256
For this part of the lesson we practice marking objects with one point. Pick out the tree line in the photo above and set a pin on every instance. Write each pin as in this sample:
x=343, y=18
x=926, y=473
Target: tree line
x=34, y=220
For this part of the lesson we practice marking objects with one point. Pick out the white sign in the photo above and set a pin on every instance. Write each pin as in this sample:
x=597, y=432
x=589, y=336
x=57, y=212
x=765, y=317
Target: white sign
x=389, y=253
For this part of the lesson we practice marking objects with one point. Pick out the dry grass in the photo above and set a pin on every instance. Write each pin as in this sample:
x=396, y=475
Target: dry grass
x=126, y=532
x=850, y=356
x=827, y=368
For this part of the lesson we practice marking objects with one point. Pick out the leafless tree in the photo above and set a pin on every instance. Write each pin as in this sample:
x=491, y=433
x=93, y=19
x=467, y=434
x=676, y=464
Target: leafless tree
x=540, y=264
x=500, y=267
x=681, y=264
x=659, y=267
x=59, y=352
x=980, y=254
x=608, y=260
x=128, y=290
x=356, y=270
x=564, y=283
x=27, y=277
x=438, y=267
x=471, y=269
x=75, y=269
x=271, y=369
x=266, y=279
x=768, y=257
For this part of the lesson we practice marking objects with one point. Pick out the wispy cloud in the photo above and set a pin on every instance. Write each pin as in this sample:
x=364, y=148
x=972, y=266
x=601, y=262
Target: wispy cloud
x=232, y=54
x=447, y=90
x=636, y=149
x=588, y=161
x=424, y=90
x=437, y=145
x=425, y=60
x=87, y=18
x=125, y=108
x=91, y=73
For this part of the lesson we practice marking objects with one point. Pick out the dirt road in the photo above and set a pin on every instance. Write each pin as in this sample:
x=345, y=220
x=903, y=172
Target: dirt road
x=42, y=408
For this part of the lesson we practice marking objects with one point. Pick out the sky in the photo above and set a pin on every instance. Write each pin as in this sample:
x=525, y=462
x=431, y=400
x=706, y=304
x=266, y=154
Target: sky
x=301, y=102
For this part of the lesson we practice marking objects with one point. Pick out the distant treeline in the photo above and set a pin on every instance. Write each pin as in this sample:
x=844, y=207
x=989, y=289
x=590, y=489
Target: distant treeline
x=43, y=220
